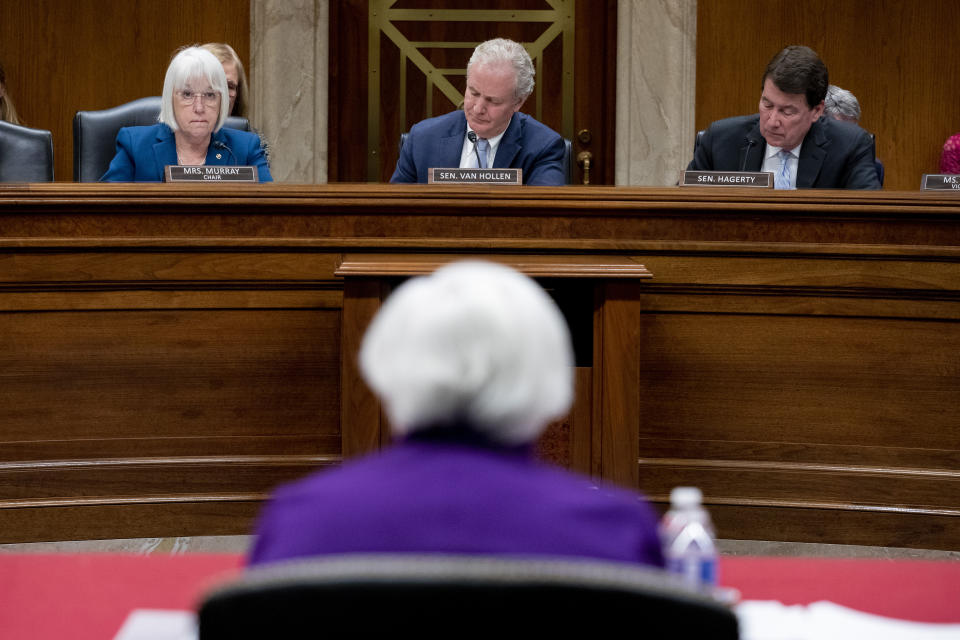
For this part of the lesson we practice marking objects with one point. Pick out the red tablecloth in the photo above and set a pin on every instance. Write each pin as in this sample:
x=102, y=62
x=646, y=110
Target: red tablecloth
x=918, y=590
x=88, y=596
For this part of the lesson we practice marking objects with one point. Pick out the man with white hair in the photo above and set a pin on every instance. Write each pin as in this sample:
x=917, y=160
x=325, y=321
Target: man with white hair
x=471, y=363
x=489, y=132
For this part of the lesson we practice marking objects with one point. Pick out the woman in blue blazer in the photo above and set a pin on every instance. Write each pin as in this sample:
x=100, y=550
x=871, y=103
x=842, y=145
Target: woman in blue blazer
x=194, y=106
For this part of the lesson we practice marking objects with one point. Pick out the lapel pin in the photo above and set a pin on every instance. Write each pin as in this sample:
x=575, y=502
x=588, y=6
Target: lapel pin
x=218, y=156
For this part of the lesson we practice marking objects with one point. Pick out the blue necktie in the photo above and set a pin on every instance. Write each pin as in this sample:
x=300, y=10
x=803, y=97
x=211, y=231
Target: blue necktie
x=482, y=146
x=782, y=178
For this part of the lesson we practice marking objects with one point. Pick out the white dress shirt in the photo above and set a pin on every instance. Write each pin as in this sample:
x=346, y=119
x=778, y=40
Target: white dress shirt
x=468, y=157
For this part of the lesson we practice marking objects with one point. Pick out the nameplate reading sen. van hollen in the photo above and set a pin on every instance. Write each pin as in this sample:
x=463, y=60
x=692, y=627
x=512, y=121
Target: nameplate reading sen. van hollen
x=475, y=176
x=757, y=179
x=209, y=173
x=940, y=182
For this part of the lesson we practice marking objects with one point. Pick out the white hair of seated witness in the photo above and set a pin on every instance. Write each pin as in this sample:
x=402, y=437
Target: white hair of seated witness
x=474, y=342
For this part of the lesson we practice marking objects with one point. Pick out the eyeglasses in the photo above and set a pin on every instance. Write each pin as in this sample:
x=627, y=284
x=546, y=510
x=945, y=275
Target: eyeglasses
x=188, y=97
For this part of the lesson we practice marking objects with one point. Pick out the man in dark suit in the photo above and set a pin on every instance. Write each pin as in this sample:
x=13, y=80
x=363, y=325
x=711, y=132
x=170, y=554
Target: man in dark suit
x=489, y=131
x=788, y=137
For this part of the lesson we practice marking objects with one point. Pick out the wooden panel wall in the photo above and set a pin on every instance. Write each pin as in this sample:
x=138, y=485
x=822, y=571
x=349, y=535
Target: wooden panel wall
x=63, y=56
x=168, y=355
x=894, y=56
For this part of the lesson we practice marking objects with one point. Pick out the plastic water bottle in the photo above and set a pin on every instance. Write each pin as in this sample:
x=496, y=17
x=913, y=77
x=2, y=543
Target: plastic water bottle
x=688, y=538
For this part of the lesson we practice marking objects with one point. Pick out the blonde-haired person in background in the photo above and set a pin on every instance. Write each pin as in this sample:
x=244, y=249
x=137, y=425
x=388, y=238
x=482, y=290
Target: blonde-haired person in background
x=7, y=111
x=237, y=85
x=236, y=77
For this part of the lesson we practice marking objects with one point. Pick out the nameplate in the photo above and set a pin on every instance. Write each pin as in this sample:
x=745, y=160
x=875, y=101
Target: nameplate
x=760, y=179
x=940, y=182
x=209, y=173
x=475, y=176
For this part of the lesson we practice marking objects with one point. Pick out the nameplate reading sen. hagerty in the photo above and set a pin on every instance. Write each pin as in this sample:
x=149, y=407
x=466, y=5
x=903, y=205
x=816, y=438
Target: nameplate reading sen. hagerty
x=759, y=179
x=209, y=173
x=940, y=182
x=475, y=176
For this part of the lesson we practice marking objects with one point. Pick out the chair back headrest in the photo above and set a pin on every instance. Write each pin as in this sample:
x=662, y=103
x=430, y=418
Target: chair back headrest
x=95, y=134
x=26, y=155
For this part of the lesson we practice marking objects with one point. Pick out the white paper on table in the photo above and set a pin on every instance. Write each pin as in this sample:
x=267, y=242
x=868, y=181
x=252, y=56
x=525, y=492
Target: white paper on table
x=159, y=624
x=772, y=620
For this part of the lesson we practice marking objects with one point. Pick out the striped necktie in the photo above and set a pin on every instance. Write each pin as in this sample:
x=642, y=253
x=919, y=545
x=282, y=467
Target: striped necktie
x=782, y=178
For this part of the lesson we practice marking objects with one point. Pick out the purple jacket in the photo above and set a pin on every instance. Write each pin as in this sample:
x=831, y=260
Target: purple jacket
x=433, y=496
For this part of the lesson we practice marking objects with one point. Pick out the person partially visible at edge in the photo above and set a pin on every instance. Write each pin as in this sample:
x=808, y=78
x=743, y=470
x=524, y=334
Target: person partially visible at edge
x=236, y=76
x=950, y=156
x=194, y=105
x=471, y=363
x=789, y=137
x=489, y=132
x=841, y=104
x=236, y=85
x=8, y=112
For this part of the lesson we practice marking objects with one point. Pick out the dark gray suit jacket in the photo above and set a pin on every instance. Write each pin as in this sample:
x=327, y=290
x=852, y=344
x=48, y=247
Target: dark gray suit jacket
x=834, y=155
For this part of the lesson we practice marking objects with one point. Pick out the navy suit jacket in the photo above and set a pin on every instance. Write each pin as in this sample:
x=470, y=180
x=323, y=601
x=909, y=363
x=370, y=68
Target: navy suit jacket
x=526, y=144
x=143, y=152
x=834, y=155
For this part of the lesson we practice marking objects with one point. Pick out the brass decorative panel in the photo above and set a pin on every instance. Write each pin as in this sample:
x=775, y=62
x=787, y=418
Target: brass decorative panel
x=413, y=46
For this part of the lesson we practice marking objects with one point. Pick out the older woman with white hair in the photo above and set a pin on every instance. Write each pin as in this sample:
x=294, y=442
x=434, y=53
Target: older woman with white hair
x=194, y=105
x=471, y=364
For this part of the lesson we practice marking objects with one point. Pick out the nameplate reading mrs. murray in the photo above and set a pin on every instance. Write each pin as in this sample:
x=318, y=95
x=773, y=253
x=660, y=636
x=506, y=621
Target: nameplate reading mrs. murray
x=761, y=179
x=209, y=173
x=940, y=182
x=475, y=176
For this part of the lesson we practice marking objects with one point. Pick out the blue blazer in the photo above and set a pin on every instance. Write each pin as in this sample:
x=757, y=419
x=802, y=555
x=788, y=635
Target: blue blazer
x=143, y=152
x=526, y=144
x=834, y=155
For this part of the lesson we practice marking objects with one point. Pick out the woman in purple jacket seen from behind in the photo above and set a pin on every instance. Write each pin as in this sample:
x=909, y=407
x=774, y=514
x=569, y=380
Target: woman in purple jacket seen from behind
x=471, y=363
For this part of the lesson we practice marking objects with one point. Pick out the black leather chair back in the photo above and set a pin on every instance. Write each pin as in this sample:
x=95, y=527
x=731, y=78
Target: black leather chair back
x=26, y=155
x=454, y=596
x=95, y=134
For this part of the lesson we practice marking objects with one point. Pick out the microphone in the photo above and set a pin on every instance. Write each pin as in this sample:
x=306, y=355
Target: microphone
x=750, y=143
x=217, y=144
x=472, y=137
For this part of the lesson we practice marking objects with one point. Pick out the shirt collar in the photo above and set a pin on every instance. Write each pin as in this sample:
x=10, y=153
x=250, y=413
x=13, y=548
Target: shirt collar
x=773, y=151
x=494, y=141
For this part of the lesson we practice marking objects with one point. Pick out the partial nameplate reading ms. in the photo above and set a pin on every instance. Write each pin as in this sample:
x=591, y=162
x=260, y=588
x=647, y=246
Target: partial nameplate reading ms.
x=475, y=176
x=940, y=182
x=761, y=179
x=209, y=173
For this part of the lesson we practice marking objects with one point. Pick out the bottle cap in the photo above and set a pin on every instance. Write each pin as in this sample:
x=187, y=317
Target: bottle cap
x=686, y=497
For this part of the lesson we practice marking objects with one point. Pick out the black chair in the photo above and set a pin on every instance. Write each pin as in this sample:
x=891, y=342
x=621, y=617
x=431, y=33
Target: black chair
x=454, y=596
x=26, y=155
x=95, y=134
x=567, y=156
x=697, y=140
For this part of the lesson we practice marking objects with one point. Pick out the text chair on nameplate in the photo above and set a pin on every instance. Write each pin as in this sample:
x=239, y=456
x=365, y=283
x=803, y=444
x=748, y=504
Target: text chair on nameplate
x=567, y=156
x=453, y=596
x=95, y=134
x=26, y=155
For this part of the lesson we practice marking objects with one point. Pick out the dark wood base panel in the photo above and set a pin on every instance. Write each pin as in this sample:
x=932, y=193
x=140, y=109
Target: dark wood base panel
x=169, y=354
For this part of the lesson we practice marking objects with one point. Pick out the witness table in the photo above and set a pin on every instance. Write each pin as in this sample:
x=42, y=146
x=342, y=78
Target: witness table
x=88, y=596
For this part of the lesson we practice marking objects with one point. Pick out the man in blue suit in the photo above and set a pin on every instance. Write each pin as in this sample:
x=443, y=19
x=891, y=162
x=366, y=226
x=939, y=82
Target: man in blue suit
x=489, y=132
x=789, y=137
